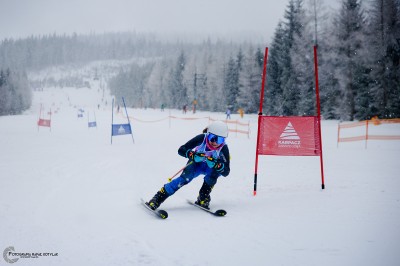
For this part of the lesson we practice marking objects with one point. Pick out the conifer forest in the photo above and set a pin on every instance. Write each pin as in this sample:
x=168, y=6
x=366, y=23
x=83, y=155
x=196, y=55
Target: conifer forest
x=358, y=53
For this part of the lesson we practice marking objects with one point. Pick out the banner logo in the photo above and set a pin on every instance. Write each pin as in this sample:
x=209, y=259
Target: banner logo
x=92, y=124
x=289, y=138
x=121, y=129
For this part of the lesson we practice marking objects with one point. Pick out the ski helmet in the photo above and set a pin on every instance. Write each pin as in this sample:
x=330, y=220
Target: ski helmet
x=218, y=128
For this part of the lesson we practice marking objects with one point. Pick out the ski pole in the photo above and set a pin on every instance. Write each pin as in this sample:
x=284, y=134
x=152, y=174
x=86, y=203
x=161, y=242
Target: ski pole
x=183, y=168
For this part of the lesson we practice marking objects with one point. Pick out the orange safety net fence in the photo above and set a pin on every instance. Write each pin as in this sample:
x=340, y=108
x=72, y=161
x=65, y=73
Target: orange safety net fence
x=362, y=130
x=234, y=126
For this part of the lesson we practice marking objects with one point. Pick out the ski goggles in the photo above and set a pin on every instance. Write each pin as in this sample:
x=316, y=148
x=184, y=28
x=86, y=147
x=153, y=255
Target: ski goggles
x=214, y=138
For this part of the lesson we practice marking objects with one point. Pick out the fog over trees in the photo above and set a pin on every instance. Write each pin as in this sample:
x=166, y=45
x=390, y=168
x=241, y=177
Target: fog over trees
x=358, y=52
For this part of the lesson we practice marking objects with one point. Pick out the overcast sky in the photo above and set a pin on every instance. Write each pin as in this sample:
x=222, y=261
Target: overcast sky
x=22, y=18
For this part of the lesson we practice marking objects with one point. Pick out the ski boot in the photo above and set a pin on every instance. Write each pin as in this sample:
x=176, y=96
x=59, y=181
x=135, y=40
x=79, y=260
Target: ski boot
x=204, y=198
x=158, y=198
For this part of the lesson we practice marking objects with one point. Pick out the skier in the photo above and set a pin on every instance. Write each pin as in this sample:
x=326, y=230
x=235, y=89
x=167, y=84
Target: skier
x=208, y=155
x=228, y=114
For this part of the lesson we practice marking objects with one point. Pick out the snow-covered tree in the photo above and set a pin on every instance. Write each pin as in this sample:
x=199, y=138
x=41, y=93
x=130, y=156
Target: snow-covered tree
x=250, y=80
x=176, y=84
x=384, y=47
x=231, y=83
x=293, y=29
x=273, y=99
x=351, y=54
x=324, y=38
x=303, y=63
x=157, y=84
x=15, y=94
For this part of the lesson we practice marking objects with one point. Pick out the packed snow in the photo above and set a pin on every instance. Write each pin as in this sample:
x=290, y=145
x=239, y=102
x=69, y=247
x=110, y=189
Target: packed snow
x=70, y=192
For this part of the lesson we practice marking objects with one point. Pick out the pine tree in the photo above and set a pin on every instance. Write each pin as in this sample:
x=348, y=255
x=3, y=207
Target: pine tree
x=384, y=29
x=176, y=86
x=328, y=81
x=350, y=36
x=250, y=80
x=231, y=84
x=293, y=29
x=273, y=100
x=157, y=85
x=303, y=64
x=15, y=94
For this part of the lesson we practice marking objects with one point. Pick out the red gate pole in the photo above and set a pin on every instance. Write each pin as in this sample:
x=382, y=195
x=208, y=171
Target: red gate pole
x=40, y=116
x=50, y=119
x=366, y=133
x=319, y=115
x=259, y=117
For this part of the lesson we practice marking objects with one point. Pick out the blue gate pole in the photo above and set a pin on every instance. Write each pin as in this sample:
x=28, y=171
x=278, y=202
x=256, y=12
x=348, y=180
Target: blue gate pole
x=129, y=122
x=112, y=118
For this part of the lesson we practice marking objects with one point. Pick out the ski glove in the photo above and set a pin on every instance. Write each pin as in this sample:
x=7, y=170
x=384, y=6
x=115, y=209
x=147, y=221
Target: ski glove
x=215, y=163
x=219, y=166
x=195, y=156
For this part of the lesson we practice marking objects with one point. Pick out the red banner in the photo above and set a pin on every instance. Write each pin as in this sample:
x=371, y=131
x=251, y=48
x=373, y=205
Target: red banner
x=44, y=122
x=290, y=135
x=294, y=136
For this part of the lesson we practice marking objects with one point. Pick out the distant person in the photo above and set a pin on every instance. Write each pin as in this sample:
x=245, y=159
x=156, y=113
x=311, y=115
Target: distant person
x=241, y=112
x=194, y=106
x=184, y=109
x=228, y=113
x=162, y=107
x=208, y=155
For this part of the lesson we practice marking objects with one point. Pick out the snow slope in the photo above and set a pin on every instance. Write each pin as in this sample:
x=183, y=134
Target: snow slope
x=69, y=191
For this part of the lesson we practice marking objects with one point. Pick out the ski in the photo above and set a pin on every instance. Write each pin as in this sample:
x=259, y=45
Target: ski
x=218, y=213
x=159, y=213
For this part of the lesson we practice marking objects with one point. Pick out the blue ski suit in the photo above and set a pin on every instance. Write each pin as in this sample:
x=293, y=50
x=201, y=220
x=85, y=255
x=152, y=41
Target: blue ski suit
x=195, y=169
